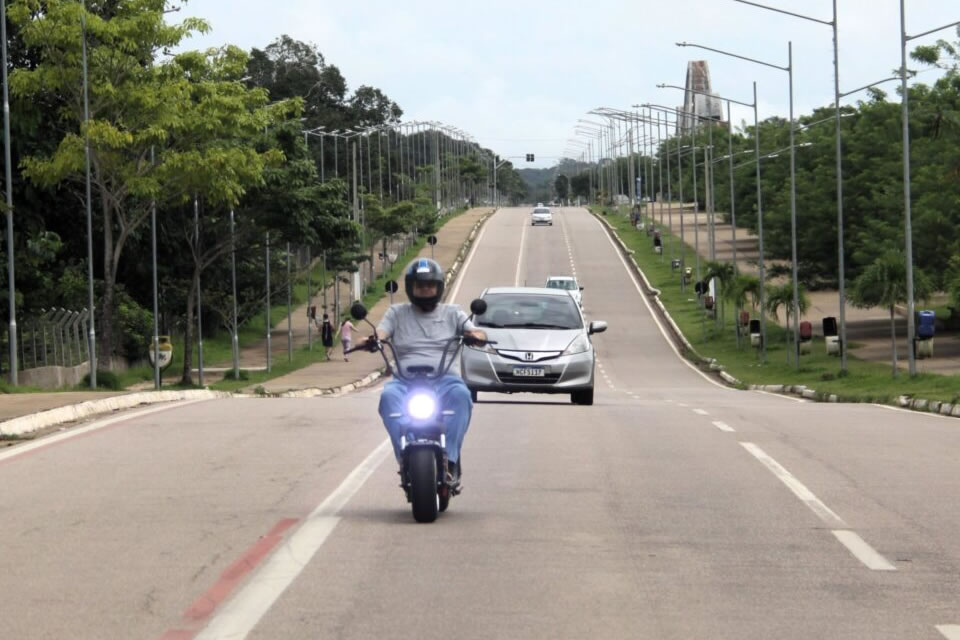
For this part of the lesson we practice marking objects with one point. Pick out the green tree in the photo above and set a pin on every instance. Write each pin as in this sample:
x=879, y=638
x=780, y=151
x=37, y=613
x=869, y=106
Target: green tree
x=189, y=109
x=884, y=284
x=562, y=186
x=781, y=295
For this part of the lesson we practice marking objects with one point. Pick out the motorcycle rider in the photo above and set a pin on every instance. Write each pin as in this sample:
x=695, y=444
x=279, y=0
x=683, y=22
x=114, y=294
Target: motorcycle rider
x=419, y=330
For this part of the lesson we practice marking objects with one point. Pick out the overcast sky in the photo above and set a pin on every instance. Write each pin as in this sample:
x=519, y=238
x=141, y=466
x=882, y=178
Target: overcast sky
x=517, y=74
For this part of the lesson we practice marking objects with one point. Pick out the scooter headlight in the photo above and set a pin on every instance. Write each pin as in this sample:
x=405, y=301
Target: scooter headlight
x=421, y=406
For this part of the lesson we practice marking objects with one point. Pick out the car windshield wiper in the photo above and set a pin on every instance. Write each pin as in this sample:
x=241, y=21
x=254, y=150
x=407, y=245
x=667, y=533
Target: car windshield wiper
x=535, y=325
x=492, y=325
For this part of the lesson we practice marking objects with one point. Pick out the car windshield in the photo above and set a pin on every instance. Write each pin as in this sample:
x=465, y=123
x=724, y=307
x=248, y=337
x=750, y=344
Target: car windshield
x=541, y=210
x=529, y=311
x=568, y=285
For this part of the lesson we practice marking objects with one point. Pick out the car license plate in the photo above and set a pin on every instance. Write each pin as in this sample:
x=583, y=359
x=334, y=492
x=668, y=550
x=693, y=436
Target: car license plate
x=529, y=372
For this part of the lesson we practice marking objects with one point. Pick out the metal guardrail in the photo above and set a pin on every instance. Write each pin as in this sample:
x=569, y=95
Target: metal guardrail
x=54, y=338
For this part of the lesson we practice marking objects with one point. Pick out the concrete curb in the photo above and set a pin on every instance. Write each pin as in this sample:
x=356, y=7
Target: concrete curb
x=906, y=402
x=654, y=293
x=331, y=391
x=70, y=413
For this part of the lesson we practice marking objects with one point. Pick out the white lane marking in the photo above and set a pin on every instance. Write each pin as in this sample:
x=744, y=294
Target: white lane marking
x=798, y=488
x=949, y=631
x=682, y=404
x=21, y=449
x=653, y=315
x=466, y=265
x=723, y=426
x=238, y=618
x=778, y=395
x=701, y=412
x=863, y=551
x=523, y=239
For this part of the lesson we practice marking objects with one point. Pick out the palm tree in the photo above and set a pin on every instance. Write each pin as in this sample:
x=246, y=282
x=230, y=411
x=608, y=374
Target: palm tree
x=782, y=296
x=884, y=283
x=737, y=291
x=724, y=273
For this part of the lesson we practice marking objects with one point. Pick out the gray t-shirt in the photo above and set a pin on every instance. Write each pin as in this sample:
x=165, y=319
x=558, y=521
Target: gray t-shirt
x=420, y=337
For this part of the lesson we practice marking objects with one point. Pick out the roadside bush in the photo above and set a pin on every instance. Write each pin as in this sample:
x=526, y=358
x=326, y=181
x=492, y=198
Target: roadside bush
x=243, y=374
x=105, y=380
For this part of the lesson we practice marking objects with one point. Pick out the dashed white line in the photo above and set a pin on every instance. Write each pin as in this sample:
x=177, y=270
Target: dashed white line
x=700, y=412
x=723, y=426
x=798, y=488
x=523, y=239
x=949, y=631
x=863, y=551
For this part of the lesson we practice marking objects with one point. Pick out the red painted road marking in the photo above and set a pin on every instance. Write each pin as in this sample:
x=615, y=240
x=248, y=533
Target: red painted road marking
x=232, y=576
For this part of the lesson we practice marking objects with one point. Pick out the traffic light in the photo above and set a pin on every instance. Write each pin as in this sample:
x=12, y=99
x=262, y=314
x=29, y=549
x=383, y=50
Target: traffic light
x=529, y=157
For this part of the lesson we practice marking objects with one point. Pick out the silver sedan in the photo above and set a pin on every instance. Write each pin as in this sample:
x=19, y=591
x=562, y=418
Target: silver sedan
x=542, y=345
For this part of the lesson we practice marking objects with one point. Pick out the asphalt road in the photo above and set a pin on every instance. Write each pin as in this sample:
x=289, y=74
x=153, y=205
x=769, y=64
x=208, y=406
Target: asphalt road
x=673, y=508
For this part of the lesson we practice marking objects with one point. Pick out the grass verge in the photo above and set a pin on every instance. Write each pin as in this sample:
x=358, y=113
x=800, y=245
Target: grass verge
x=864, y=381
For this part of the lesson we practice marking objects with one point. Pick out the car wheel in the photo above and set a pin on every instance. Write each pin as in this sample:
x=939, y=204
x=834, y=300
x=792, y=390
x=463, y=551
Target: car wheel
x=582, y=396
x=473, y=395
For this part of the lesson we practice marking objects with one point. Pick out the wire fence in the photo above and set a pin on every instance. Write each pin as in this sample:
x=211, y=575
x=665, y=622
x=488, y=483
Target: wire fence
x=54, y=338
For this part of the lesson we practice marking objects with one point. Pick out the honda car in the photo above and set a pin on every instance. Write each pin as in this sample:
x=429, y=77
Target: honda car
x=543, y=345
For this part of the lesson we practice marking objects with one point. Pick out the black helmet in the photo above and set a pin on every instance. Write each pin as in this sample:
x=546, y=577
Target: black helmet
x=424, y=270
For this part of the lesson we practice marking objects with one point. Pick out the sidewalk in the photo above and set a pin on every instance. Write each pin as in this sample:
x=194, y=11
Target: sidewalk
x=335, y=373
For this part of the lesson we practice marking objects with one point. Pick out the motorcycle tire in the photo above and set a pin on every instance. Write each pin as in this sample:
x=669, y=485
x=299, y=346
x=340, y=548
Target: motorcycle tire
x=444, y=500
x=425, y=500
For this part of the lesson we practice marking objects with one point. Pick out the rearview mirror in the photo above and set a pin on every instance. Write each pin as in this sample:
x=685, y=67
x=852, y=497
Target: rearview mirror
x=478, y=307
x=597, y=326
x=358, y=311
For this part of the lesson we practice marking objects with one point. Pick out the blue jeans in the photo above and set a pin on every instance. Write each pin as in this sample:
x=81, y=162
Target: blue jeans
x=452, y=395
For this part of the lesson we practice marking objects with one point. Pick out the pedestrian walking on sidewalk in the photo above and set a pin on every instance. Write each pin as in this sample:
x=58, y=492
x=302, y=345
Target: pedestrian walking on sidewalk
x=346, y=337
x=326, y=334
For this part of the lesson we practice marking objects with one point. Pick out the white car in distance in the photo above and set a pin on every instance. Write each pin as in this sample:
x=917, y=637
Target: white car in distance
x=541, y=215
x=567, y=283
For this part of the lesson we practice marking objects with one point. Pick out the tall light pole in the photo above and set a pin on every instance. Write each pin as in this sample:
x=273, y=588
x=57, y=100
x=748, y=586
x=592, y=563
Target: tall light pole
x=908, y=229
x=12, y=303
x=793, y=182
x=92, y=335
x=839, y=155
x=756, y=127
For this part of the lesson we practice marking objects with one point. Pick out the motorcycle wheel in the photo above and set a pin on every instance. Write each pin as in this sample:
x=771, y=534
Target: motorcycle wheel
x=444, y=500
x=423, y=485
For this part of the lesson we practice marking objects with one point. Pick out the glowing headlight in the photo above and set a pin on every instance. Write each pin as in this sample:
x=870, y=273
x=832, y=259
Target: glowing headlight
x=578, y=345
x=421, y=406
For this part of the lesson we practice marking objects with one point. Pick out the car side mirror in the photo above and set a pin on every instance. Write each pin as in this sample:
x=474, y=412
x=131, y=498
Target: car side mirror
x=597, y=326
x=358, y=311
x=581, y=288
x=478, y=307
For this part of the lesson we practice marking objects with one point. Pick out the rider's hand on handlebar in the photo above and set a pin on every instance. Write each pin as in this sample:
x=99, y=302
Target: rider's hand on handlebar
x=475, y=337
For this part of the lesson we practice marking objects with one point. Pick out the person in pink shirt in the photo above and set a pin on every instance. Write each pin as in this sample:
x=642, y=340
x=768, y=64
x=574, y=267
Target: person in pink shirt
x=346, y=337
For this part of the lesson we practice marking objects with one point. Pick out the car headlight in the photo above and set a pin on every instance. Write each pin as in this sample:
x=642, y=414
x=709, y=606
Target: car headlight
x=579, y=345
x=421, y=406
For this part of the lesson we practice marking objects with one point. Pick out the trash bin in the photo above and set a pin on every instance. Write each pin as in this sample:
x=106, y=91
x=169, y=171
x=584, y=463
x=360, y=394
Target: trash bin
x=830, y=337
x=925, y=329
x=806, y=338
x=675, y=264
x=687, y=274
x=755, y=338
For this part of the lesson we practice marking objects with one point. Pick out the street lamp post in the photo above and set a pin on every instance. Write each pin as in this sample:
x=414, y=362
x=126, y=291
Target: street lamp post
x=793, y=181
x=839, y=151
x=12, y=304
x=908, y=230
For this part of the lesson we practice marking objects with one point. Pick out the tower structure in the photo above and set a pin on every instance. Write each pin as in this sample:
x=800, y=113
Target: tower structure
x=697, y=105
